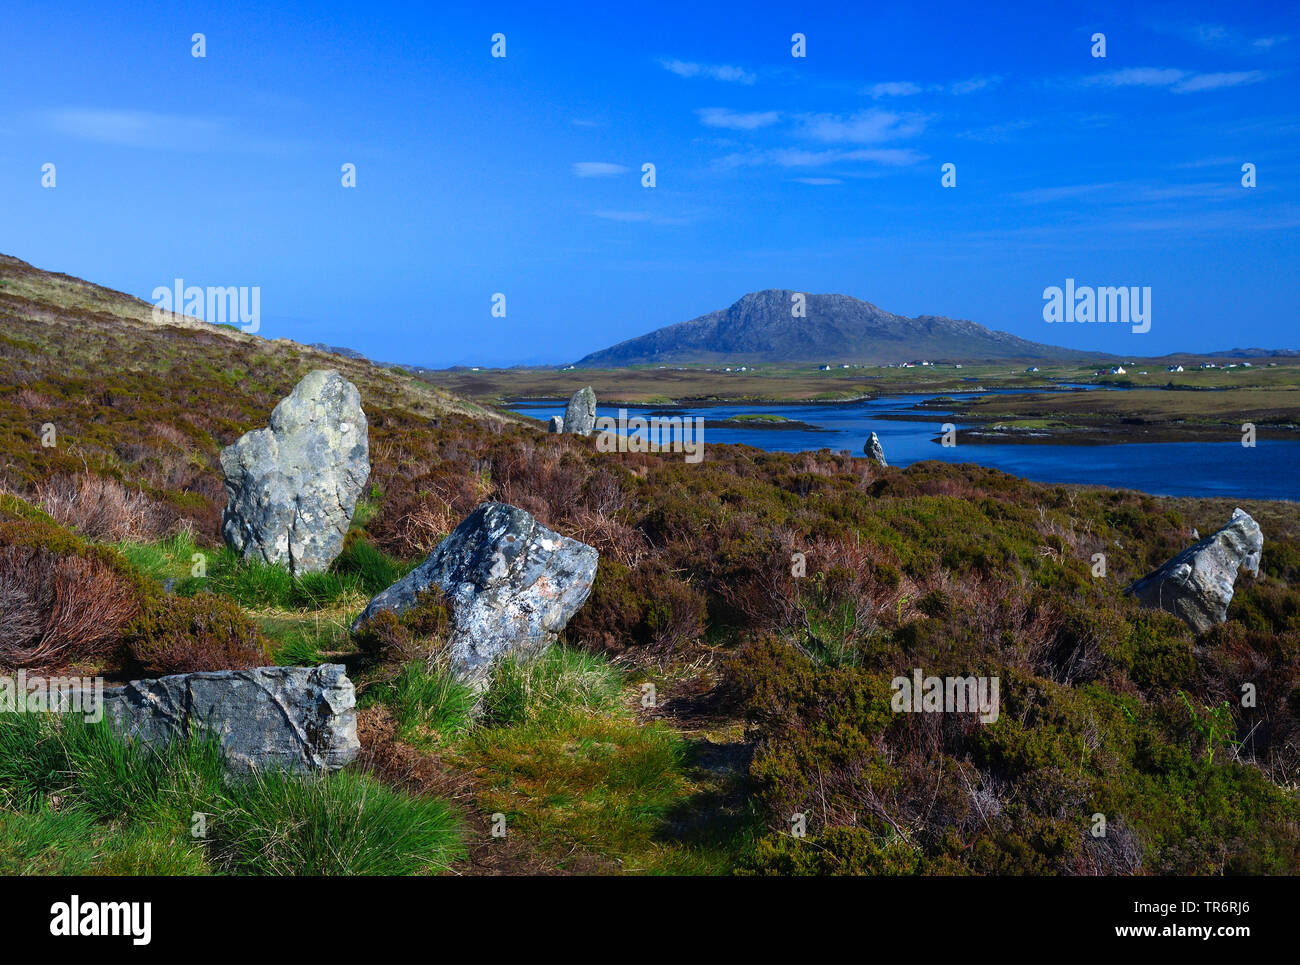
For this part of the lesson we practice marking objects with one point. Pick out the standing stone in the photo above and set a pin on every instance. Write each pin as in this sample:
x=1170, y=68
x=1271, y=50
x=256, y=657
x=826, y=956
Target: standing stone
x=292, y=486
x=875, y=451
x=580, y=416
x=288, y=718
x=511, y=585
x=556, y=424
x=1197, y=584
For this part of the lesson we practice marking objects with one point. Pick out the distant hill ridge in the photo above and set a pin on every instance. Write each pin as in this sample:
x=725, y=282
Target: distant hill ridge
x=760, y=328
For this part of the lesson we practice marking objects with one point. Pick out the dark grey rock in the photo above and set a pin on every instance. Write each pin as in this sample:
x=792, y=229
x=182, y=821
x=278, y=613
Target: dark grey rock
x=292, y=487
x=875, y=451
x=580, y=415
x=288, y=718
x=1197, y=584
x=512, y=585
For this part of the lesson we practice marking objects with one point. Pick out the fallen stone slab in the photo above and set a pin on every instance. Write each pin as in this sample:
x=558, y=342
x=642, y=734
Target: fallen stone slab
x=1197, y=584
x=511, y=585
x=289, y=718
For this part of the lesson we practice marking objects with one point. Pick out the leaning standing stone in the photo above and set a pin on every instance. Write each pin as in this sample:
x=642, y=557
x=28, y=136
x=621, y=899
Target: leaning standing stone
x=556, y=424
x=511, y=585
x=292, y=486
x=1197, y=584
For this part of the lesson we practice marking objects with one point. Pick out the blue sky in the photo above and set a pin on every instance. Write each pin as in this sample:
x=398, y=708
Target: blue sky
x=522, y=174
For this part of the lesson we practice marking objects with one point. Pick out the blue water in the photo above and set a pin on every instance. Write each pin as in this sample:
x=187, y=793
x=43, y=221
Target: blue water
x=1270, y=470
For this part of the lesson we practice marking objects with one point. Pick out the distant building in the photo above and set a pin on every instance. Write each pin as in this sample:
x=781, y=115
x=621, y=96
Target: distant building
x=1119, y=370
x=1032, y=368
x=1174, y=368
x=824, y=368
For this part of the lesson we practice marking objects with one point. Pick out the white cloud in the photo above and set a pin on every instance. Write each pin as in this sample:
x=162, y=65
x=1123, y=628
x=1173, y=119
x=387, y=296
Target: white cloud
x=1236, y=78
x=898, y=88
x=1178, y=81
x=165, y=132
x=997, y=133
x=1066, y=192
x=138, y=128
x=1132, y=192
x=864, y=127
x=1138, y=77
x=791, y=157
x=724, y=72
x=906, y=88
x=973, y=84
x=736, y=120
x=598, y=169
x=639, y=217
x=1215, y=36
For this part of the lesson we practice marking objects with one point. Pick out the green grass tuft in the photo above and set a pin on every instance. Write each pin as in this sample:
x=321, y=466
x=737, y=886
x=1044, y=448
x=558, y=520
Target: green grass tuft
x=340, y=824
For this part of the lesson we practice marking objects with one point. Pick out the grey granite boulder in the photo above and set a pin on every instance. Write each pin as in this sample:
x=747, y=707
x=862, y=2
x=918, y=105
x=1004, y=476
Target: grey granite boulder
x=292, y=487
x=580, y=415
x=556, y=424
x=875, y=451
x=287, y=718
x=1197, y=584
x=511, y=584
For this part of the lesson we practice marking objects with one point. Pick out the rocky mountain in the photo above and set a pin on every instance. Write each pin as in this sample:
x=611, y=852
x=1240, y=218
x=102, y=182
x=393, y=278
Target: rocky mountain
x=760, y=328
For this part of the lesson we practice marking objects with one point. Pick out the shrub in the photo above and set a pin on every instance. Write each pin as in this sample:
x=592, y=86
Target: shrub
x=836, y=851
x=100, y=507
x=56, y=609
x=644, y=607
x=177, y=634
x=419, y=630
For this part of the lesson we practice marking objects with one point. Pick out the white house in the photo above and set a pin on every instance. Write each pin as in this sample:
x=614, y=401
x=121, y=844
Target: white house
x=1119, y=370
x=1174, y=368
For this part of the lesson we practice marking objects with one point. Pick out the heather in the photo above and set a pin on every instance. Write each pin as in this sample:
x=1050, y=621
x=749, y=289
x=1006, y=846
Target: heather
x=771, y=690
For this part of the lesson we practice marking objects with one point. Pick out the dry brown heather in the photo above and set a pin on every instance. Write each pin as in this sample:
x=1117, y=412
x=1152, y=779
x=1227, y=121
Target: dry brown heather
x=954, y=569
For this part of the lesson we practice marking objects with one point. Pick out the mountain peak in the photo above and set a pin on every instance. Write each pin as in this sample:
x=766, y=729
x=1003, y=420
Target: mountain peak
x=774, y=326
